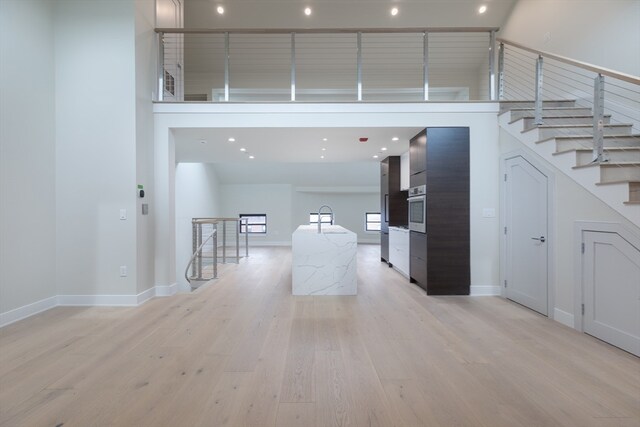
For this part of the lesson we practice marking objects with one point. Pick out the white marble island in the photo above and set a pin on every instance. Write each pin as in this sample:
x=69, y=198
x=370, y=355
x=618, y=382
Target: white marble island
x=325, y=263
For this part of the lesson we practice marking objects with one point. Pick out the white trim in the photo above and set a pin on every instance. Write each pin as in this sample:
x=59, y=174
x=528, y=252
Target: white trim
x=599, y=226
x=551, y=222
x=563, y=317
x=166, y=291
x=28, y=310
x=268, y=243
x=484, y=290
x=98, y=300
x=32, y=309
x=145, y=296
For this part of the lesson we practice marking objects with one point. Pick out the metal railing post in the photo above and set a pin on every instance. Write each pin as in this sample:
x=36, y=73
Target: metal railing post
x=359, y=66
x=492, y=71
x=199, y=255
x=425, y=65
x=224, y=241
x=538, y=102
x=501, y=72
x=293, y=66
x=215, y=251
x=237, y=244
x=598, y=119
x=246, y=238
x=226, y=67
x=194, y=246
x=160, y=66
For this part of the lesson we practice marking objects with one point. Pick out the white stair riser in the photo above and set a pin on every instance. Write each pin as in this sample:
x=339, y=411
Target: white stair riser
x=584, y=158
x=506, y=106
x=578, y=143
x=582, y=130
x=619, y=173
x=529, y=122
x=518, y=114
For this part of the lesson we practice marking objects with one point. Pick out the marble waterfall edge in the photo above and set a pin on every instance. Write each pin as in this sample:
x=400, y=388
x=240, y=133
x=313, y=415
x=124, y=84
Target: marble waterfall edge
x=325, y=263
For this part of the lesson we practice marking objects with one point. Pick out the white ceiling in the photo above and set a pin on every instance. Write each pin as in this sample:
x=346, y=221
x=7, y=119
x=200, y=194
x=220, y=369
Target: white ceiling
x=345, y=13
x=292, y=155
x=297, y=145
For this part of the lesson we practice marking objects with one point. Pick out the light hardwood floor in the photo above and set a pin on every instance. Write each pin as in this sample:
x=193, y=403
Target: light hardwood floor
x=243, y=352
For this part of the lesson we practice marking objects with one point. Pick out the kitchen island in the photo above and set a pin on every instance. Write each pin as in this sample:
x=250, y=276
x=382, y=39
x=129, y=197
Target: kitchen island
x=324, y=263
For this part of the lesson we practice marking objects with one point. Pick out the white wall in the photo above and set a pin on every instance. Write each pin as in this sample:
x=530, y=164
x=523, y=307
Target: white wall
x=481, y=118
x=95, y=105
x=145, y=48
x=27, y=153
x=572, y=203
x=348, y=208
x=274, y=200
x=197, y=196
x=601, y=32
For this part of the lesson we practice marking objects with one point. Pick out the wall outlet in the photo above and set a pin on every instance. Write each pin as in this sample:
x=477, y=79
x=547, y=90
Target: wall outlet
x=123, y=214
x=123, y=271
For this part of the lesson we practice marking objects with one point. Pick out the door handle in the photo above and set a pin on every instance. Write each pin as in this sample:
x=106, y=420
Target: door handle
x=541, y=239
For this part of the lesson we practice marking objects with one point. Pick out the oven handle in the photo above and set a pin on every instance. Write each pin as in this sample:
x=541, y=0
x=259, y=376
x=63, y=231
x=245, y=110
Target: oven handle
x=416, y=198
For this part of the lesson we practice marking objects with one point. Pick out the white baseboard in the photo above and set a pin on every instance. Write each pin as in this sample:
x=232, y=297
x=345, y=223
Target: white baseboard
x=259, y=243
x=484, y=290
x=166, y=291
x=563, y=317
x=98, y=300
x=28, y=310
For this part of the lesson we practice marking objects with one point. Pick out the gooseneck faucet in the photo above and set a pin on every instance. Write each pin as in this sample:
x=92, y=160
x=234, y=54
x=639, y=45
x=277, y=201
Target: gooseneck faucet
x=320, y=217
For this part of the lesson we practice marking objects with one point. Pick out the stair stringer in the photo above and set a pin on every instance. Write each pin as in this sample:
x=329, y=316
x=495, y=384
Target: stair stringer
x=613, y=195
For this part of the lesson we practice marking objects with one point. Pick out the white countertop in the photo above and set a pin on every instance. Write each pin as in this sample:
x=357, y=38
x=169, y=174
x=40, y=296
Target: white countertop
x=324, y=263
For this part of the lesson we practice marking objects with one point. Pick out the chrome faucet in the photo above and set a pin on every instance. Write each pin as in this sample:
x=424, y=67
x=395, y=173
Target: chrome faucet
x=320, y=217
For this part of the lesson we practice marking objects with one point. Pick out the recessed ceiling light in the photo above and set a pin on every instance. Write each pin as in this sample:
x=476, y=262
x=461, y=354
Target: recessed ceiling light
x=375, y=156
x=395, y=138
x=394, y=11
x=232, y=140
x=482, y=9
x=220, y=10
x=322, y=157
x=251, y=157
x=324, y=149
x=307, y=11
x=383, y=149
x=324, y=139
x=243, y=149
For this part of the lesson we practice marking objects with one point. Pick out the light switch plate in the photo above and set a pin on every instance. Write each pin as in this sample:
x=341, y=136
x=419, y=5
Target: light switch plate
x=123, y=271
x=123, y=214
x=488, y=213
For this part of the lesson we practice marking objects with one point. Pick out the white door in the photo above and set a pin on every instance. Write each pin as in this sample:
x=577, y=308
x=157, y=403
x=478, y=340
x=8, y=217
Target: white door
x=611, y=290
x=526, y=234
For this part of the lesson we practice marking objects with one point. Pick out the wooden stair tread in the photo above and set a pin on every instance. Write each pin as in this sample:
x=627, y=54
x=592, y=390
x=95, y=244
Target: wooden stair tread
x=608, y=165
x=635, y=136
x=622, y=181
x=580, y=116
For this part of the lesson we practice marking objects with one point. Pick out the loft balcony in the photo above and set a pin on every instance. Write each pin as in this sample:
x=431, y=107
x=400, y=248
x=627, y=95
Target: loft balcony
x=326, y=65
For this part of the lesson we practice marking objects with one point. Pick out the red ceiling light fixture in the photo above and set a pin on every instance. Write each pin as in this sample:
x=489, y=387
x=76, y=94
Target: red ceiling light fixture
x=363, y=140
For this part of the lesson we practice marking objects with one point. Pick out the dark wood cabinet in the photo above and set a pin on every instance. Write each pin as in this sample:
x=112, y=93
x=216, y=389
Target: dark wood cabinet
x=418, y=153
x=393, y=202
x=440, y=259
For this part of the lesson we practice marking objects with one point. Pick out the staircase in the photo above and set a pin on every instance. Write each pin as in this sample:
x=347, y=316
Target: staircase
x=565, y=139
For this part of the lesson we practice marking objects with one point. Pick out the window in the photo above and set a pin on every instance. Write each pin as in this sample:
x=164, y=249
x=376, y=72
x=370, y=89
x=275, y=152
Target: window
x=256, y=223
x=372, y=221
x=327, y=218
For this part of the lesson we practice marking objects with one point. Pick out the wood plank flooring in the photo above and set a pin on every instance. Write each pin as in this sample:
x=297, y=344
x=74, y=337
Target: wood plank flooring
x=242, y=351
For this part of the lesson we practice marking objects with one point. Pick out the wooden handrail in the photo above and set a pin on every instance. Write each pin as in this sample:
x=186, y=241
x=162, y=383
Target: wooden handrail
x=600, y=70
x=325, y=30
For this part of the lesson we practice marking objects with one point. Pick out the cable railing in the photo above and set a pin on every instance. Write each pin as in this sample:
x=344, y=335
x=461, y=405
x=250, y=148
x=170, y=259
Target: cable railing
x=326, y=65
x=606, y=113
x=211, y=238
